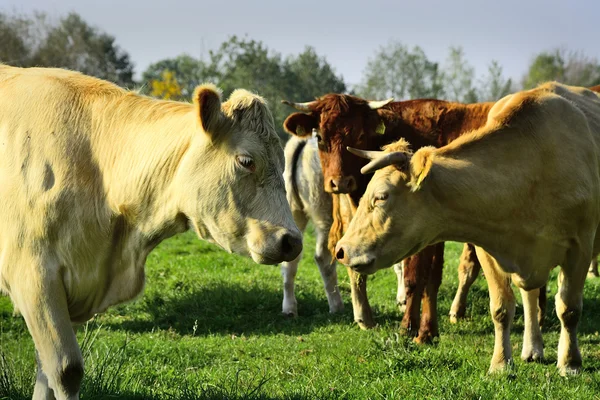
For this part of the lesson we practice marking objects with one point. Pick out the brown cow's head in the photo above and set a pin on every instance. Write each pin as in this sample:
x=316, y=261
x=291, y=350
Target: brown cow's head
x=339, y=121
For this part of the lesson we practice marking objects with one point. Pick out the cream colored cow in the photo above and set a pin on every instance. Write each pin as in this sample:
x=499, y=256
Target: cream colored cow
x=93, y=177
x=525, y=189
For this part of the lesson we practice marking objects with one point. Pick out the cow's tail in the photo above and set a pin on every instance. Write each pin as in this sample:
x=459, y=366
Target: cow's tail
x=293, y=157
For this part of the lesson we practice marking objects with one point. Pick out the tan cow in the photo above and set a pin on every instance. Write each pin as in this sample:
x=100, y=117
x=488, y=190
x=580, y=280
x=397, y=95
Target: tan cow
x=525, y=189
x=93, y=177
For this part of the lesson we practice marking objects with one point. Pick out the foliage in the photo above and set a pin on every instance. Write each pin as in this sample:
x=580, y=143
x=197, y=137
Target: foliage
x=458, y=78
x=399, y=72
x=71, y=43
x=572, y=68
x=494, y=86
x=166, y=87
x=249, y=64
x=209, y=327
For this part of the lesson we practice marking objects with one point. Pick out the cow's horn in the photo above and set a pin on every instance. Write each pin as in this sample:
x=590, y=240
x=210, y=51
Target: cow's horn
x=368, y=154
x=397, y=158
x=306, y=107
x=378, y=104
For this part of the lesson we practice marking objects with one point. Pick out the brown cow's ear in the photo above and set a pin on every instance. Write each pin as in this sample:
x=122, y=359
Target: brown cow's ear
x=300, y=124
x=207, y=100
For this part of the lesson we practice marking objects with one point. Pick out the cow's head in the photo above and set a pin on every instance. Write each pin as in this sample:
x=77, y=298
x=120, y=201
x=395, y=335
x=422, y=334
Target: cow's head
x=396, y=216
x=232, y=178
x=339, y=121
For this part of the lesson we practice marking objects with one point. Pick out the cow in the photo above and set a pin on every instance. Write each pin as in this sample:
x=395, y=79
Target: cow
x=308, y=201
x=524, y=189
x=93, y=177
x=348, y=120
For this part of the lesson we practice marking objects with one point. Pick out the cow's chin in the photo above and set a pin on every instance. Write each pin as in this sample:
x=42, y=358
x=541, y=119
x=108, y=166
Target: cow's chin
x=263, y=258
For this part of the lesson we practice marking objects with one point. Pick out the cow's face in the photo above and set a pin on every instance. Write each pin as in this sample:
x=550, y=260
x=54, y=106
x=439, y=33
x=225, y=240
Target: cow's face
x=339, y=121
x=393, y=220
x=233, y=176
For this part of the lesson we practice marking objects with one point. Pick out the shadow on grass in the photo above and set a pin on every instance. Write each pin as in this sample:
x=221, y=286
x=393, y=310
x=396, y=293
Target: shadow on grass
x=232, y=308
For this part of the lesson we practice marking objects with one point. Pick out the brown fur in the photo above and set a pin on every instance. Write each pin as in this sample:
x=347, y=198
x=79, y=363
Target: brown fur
x=345, y=120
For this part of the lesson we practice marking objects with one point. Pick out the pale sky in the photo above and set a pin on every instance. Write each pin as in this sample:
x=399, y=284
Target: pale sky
x=347, y=33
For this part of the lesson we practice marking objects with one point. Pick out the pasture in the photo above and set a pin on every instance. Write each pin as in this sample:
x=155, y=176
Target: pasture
x=209, y=326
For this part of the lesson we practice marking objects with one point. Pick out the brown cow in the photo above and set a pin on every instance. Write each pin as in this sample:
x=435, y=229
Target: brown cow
x=345, y=120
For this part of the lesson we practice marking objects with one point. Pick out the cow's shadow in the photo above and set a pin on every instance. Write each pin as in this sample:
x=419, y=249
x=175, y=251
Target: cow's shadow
x=233, y=309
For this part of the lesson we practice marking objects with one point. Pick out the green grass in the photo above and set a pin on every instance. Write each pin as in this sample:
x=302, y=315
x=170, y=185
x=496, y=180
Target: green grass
x=209, y=326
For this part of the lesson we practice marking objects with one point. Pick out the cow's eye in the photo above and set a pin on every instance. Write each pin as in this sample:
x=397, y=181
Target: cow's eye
x=379, y=198
x=246, y=162
x=319, y=138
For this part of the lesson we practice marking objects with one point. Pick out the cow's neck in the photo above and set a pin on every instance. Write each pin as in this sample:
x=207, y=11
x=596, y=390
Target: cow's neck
x=139, y=160
x=433, y=122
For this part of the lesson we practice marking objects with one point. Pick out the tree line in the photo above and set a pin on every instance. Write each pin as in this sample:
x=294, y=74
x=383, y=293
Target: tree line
x=394, y=70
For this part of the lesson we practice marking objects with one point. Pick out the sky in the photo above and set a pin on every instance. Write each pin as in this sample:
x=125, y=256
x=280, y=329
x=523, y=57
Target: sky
x=347, y=33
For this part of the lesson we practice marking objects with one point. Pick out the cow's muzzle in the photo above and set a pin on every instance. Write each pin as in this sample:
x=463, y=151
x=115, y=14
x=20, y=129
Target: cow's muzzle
x=340, y=184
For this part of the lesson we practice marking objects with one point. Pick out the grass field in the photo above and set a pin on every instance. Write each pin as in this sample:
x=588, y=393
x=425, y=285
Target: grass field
x=209, y=326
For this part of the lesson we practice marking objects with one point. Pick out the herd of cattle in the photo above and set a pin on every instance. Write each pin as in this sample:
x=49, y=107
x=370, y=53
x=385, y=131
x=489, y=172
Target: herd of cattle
x=93, y=177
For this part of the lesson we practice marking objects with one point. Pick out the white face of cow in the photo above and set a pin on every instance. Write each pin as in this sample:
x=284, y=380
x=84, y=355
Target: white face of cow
x=232, y=176
x=391, y=223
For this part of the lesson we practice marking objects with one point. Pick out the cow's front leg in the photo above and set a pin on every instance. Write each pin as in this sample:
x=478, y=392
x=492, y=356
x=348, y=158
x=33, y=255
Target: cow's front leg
x=569, y=303
x=41, y=298
x=360, y=302
x=468, y=270
x=533, y=344
x=429, y=318
x=502, y=308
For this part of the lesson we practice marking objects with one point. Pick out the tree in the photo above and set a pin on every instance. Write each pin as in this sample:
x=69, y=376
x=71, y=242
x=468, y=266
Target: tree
x=14, y=46
x=249, y=64
x=572, y=68
x=494, y=86
x=398, y=72
x=187, y=70
x=458, y=77
x=73, y=44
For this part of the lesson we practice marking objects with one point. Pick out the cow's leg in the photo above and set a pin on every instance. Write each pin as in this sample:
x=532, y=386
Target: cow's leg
x=468, y=270
x=401, y=292
x=42, y=300
x=542, y=304
x=416, y=274
x=41, y=391
x=593, y=271
x=429, y=318
x=289, y=270
x=360, y=302
x=327, y=267
x=533, y=345
x=569, y=303
x=502, y=308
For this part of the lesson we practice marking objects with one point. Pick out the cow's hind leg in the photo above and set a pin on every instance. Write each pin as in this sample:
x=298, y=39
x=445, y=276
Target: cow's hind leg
x=502, y=308
x=42, y=300
x=569, y=303
x=468, y=270
x=288, y=272
x=327, y=267
x=533, y=344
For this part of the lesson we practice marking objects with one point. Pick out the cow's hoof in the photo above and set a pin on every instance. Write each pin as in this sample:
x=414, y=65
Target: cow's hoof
x=336, y=308
x=569, y=370
x=499, y=367
x=424, y=338
x=401, y=307
x=532, y=355
x=365, y=325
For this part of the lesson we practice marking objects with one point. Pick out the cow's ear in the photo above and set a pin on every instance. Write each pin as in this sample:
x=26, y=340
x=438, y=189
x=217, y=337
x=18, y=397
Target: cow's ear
x=300, y=124
x=207, y=101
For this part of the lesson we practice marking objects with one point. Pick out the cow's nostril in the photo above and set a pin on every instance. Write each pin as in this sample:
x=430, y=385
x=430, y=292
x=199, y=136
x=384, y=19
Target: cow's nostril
x=291, y=246
x=286, y=244
x=340, y=254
